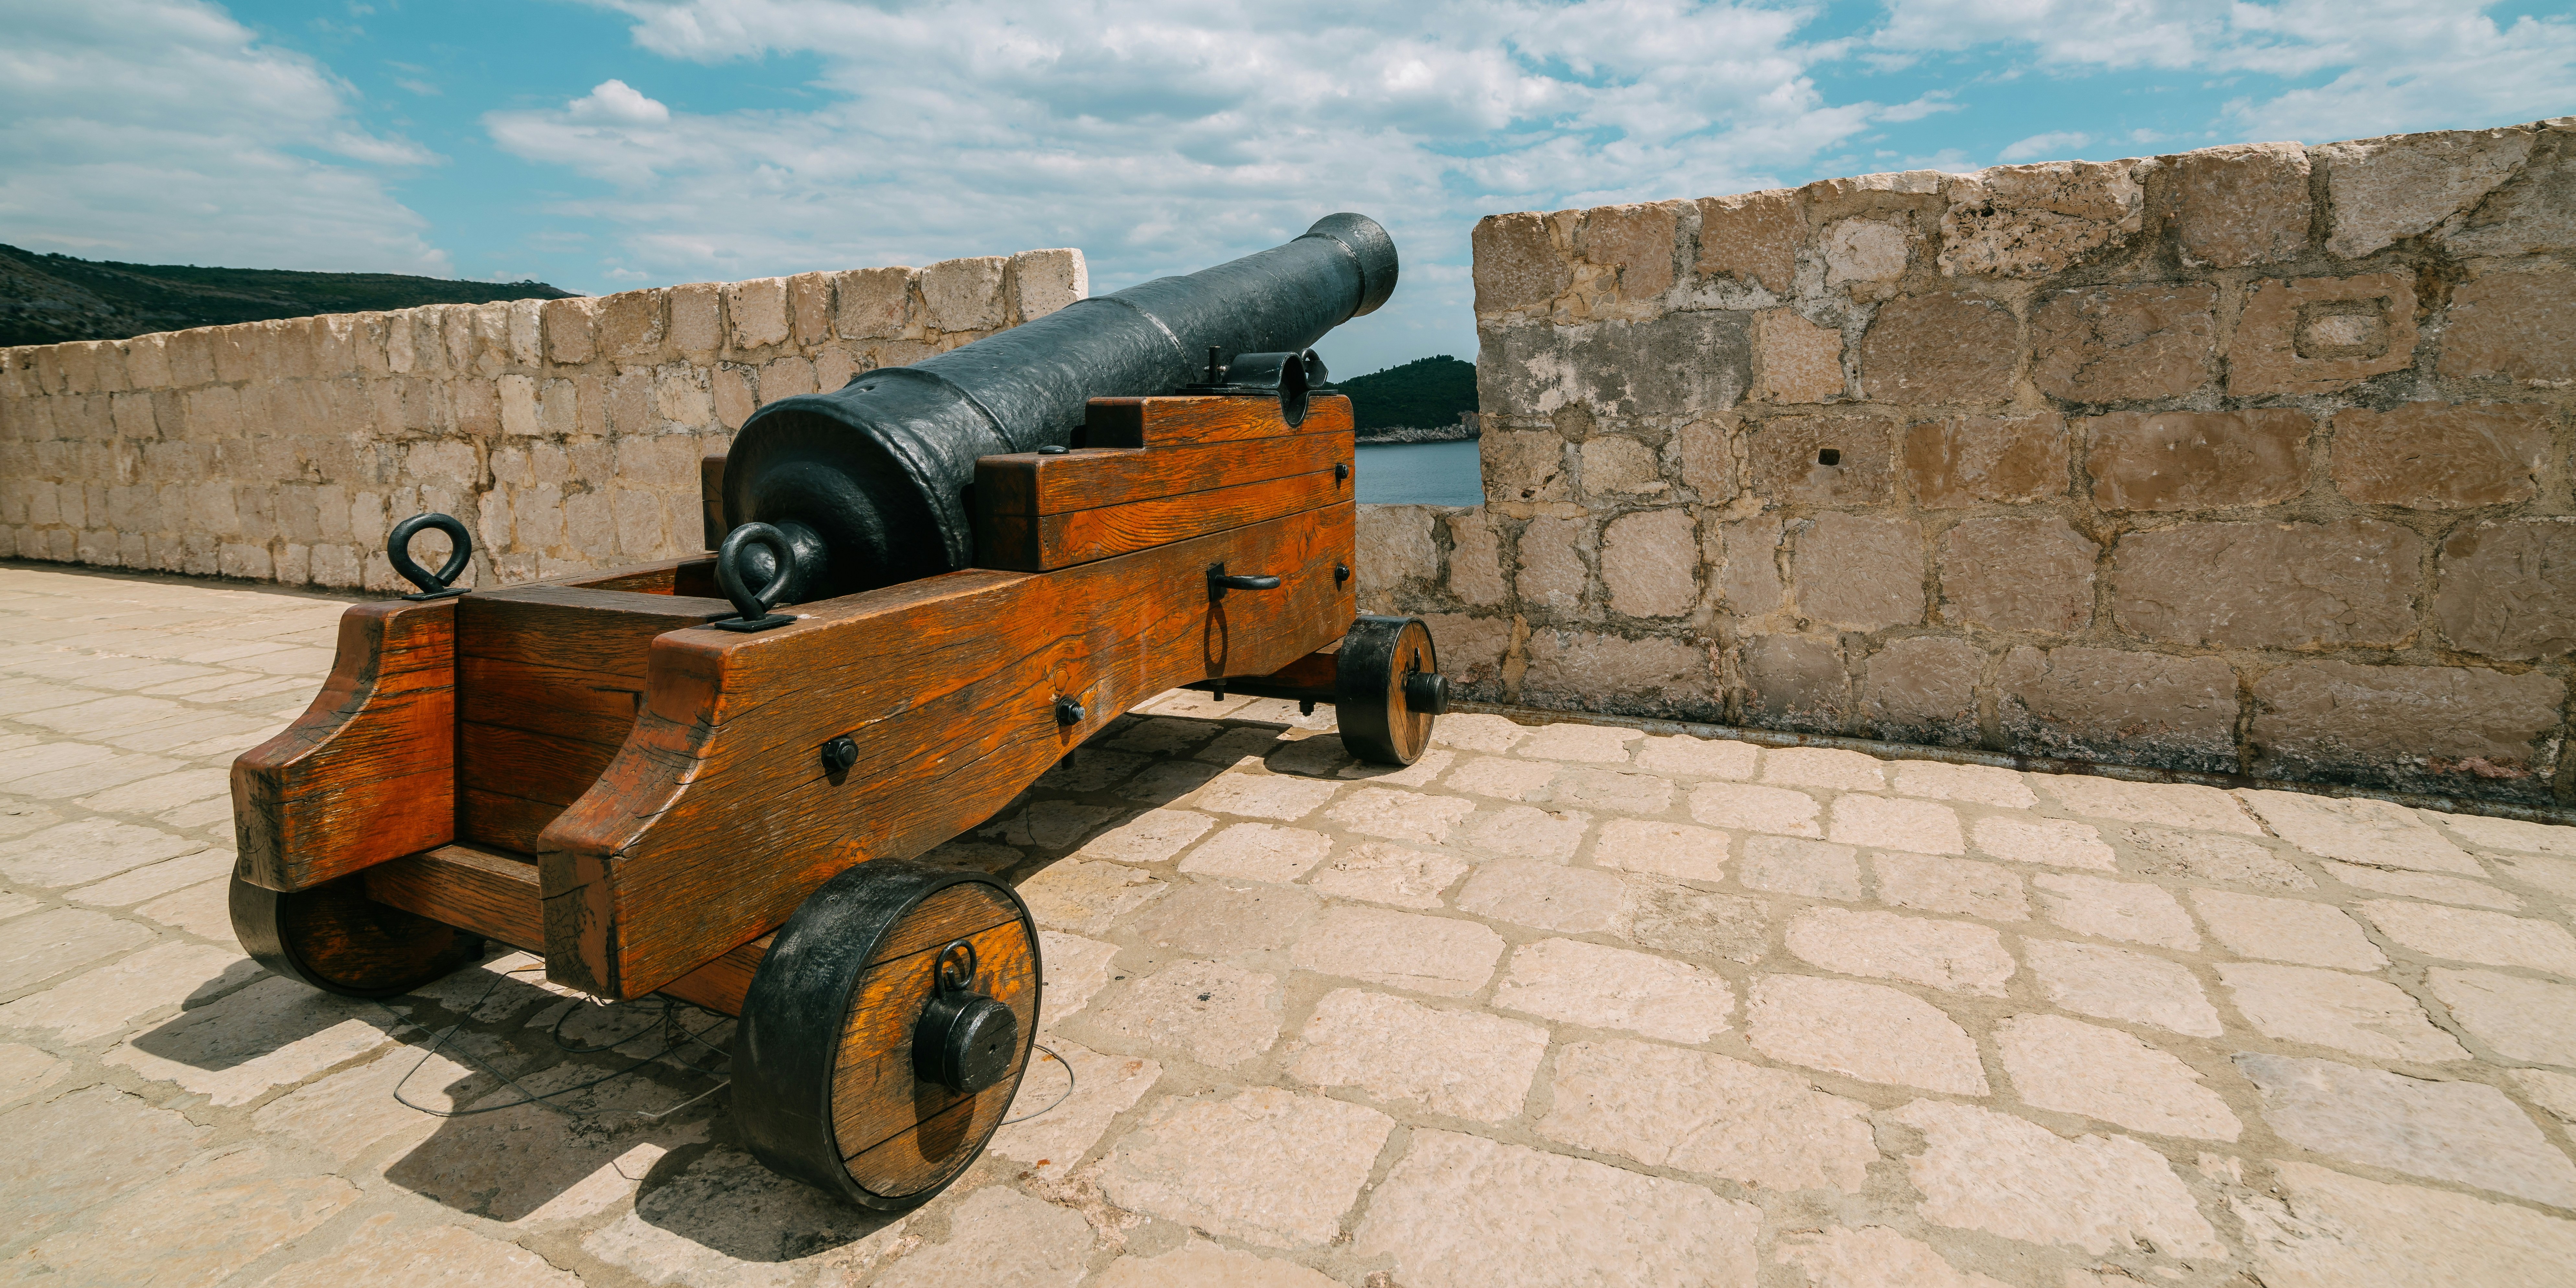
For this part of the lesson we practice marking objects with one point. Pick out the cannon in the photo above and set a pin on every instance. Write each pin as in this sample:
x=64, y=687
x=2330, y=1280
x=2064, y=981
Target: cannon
x=712, y=778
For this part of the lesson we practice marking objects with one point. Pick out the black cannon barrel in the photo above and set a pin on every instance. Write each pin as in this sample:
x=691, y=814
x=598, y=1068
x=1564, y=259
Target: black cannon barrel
x=869, y=482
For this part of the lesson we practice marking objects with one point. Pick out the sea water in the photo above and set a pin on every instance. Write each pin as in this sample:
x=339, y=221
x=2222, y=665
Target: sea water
x=1420, y=474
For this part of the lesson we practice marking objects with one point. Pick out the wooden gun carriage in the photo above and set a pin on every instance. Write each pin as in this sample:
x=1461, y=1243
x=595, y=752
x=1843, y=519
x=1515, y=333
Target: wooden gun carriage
x=664, y=788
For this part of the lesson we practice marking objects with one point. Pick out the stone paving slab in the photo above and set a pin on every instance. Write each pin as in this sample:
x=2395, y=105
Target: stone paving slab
x=1570, y=1004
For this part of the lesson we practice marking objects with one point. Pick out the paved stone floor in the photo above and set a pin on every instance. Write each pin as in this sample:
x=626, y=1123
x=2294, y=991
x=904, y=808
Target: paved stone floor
x=1556, y=1005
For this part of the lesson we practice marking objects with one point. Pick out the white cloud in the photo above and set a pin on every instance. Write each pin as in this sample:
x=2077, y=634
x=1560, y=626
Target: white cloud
x=2394, y=64
x=159, y=130
x=2055, y=145
x=1172, y=134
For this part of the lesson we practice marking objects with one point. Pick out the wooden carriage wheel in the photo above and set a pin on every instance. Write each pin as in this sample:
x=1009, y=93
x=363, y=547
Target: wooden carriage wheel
x=1387, y=687
x=887, y=1030
x=334, y=938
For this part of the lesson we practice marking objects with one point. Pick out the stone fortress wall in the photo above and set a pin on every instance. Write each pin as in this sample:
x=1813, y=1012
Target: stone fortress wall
x=565, y=433
x=2253, y=459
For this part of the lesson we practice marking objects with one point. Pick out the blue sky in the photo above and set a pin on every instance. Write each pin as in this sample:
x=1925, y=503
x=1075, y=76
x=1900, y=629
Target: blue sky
x=609, y=144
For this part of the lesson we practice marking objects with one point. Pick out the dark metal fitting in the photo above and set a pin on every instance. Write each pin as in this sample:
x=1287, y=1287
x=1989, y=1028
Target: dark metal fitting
x=753, y=605
x=433, y=585
x=965, y=1040
x=1220, y=582
x=1068, y=711
x=1052, y=449
x=1341, y=471
x=1341, y=573
x=840, y=753
x=1305, y=706
x=1217, y=690
x=1426, y=692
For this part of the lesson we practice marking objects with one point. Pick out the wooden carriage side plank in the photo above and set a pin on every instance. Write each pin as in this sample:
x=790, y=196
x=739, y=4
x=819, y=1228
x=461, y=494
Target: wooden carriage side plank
x=1044, y=543
x=501, y=820
x=717, y=816
x=875, y=1094
x=493, y=893
x=532, y=766
x=1181, y=420
x=921, y=1154
x=367, y=773
x=590, y=706
x=488, y=892
x=1037, y=483
x=575, y=628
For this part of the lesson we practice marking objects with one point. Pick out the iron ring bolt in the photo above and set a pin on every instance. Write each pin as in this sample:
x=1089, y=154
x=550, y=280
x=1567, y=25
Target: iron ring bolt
x=433, y=585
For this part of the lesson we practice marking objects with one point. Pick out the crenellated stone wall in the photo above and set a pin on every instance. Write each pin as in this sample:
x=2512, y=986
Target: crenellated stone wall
x=565, y=433
x=2253, y=459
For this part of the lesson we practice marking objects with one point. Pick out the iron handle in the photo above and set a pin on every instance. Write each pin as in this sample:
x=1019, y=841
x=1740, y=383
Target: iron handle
x=1219, y=581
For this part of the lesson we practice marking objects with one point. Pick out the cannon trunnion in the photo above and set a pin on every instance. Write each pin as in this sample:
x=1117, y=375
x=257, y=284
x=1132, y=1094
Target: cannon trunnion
x=594, y=769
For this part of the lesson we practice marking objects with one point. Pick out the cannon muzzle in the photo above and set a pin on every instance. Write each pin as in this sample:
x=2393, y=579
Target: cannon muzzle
x=868, y=482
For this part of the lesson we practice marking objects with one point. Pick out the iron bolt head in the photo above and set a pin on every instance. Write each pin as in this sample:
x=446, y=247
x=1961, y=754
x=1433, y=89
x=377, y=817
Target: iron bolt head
x=840, y=753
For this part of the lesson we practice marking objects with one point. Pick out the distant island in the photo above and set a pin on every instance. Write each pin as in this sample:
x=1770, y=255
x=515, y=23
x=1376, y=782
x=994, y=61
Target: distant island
x=48, y=299
x=1427, y=400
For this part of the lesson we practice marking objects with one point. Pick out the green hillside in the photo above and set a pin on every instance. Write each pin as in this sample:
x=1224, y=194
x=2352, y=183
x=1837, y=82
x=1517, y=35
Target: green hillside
x=1426, y=393
x=47, y=299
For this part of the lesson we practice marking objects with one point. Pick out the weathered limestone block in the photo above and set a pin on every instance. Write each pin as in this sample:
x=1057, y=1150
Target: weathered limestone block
x=1043, y=281
x=873, y=303
x=809, y=308
x=2101, y=344
x=569, y=328
x=631, y=323
x=965, y=294
x=1586, y=670
x=1923, y=689
x=1471, y=651
x=2033, y=220
x=1680, y=364
x=1524, y=465
x=1748, y=575
x=2535, y=212
x=2198, y=460
x=1794, y=360
x=1823, y=460
x=1795, y=682
x=1616, y=466
x=1553, y=577
x=758, y=311
x=2442, y=456
x=1634, y=244
x=1864, y=250
x=1707, y=455
x=2386, y=189
x=2508, y=590
x=2267, y=585
x=2142, y=708
x=1940, y=348
x=1517, y=265
x=1475, y=557
x=2413, y=724
x=1650, y=563
x=1858, y=572
x=2319, y=334
x=2018, y=575
x=1395, y=555
x=2240, y=205
x=1970, y=460
x=2518, y=325
x=1752, y=237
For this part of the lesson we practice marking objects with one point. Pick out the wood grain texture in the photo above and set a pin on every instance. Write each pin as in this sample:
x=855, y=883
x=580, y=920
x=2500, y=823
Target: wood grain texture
x=875, y=1094
x=717, y=817
x=1044, y=543
x=1184, y=419
x=550, y=667
x=1033, y=483
x=489, y=892
x=493, y=893
x=368, y=772
x=920, y=1155
x=695, y=575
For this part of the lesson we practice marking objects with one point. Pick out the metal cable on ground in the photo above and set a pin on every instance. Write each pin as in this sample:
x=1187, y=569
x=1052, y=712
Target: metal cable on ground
x=1068, y=1087
x=528, y=1097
